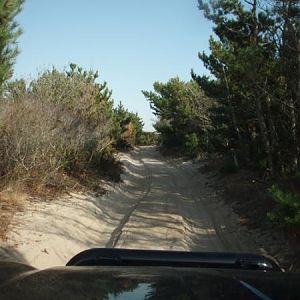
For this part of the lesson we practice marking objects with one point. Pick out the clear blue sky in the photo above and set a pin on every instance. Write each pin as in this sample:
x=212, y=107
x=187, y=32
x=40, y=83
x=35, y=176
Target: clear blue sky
x=132, y=43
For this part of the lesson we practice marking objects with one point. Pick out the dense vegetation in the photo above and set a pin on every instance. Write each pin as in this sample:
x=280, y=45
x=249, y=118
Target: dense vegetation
x=248, y=110
x=128, y=128
x=254, y=62
x=181, y=108
x=60, y=123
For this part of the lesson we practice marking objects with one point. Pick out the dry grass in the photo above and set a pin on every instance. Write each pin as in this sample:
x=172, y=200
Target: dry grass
x=11, y=200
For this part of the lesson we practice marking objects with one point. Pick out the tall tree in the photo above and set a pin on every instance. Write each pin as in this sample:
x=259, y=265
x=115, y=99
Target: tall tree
x=182, y=111
x=254, y=62
x=9, y=32
x=286, y=13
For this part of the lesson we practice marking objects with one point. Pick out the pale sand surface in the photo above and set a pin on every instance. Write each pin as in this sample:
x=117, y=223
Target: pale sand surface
x=161, y=204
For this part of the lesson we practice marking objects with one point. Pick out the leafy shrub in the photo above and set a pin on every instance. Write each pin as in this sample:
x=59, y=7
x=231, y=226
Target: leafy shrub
x=191, y=144
x=182, y=112
x=287, y=211
x=60, y=123
x=128, y=128
x=148, y=138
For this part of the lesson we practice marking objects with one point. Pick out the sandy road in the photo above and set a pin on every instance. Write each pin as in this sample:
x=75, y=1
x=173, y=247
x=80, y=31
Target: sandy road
x=161, y=204
x=176, y=210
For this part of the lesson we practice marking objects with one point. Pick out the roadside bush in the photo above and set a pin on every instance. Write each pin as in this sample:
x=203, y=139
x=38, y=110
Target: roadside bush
x=287, y=211
x=29, y=146
x=191, y=144
x=182, y=112
x=148, y=138
x=61, y=122
x=128, y=128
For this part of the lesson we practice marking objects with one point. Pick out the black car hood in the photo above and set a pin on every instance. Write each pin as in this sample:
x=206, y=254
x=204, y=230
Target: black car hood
x=105, y=282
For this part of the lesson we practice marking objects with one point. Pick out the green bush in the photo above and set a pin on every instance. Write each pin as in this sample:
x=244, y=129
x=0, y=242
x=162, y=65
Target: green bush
x=60, y=123
x=191, y=144
x=148, y=138
x=182, y=111
x=287, y=211
x=128, y=128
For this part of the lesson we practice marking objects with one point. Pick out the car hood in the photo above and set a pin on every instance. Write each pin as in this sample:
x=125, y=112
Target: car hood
x=18, y=281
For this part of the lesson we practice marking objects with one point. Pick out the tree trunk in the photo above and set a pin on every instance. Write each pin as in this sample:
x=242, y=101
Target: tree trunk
x=298, y=89
x=258, y=101
x=264, y=134
x=233, y=115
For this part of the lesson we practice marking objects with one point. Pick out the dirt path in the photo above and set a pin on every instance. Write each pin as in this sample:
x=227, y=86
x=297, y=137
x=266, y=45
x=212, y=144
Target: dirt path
x=161, y=204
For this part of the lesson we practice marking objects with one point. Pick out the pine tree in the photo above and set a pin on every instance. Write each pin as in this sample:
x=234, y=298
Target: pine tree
x=254, y=62
x=182, y=112
x=9, y=32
